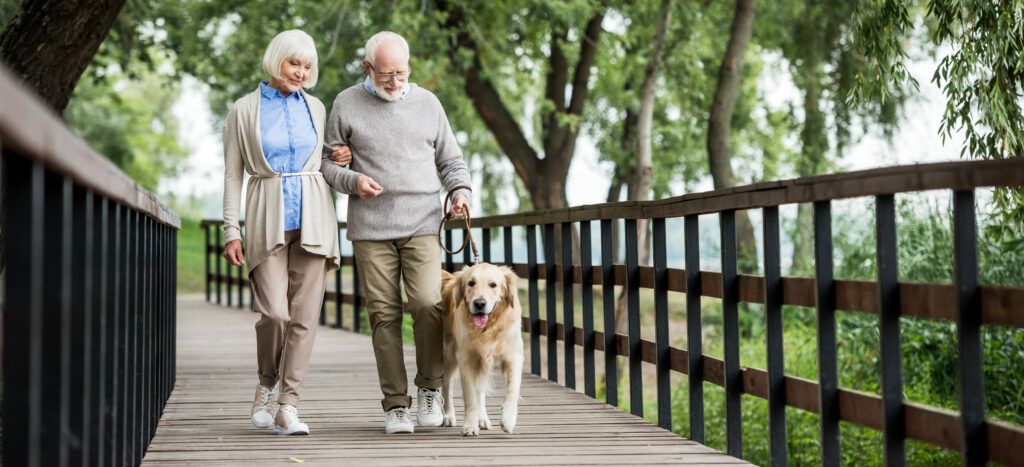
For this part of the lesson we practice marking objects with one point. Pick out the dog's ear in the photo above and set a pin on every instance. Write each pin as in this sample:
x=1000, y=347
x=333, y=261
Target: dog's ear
x=511, y=297
x=451, y=288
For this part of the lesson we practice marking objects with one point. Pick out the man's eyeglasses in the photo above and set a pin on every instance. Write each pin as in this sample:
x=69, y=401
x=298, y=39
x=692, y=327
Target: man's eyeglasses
x=400, y=75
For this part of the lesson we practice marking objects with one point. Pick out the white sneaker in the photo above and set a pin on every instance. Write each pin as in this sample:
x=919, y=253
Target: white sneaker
x=397, y=421
x=428, y=407
x=288, y=423
x=261, y=417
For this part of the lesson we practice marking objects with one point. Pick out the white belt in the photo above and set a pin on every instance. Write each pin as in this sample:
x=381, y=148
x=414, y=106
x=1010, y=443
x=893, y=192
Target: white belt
x=286, y=174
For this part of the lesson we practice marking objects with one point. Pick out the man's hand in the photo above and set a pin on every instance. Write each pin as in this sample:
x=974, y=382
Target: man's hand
x=460, y=208
x=367, y=188
x=233, y=252
x=341, y=156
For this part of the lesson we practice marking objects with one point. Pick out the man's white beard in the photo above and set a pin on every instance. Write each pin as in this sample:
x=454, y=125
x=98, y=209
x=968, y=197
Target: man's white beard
x=384, y=94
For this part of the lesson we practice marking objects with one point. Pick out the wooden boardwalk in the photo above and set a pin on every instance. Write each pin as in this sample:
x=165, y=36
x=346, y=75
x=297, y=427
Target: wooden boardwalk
x=207, y=417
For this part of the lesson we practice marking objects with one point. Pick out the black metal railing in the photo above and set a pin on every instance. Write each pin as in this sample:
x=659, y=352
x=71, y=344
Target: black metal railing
x=964, y=302
x=88, y=300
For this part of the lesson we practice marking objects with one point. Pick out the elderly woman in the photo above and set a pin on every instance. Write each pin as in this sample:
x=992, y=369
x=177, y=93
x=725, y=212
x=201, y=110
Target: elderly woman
x=275, y=134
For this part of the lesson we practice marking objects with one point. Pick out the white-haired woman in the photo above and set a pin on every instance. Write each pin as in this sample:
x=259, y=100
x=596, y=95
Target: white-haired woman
x=275, y=134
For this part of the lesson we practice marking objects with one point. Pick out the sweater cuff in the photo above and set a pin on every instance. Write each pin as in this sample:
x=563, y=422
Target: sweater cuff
x=231, y=233
x=348, y=181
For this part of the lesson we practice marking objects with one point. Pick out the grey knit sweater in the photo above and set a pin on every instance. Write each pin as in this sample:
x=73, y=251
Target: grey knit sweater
x=404, y=146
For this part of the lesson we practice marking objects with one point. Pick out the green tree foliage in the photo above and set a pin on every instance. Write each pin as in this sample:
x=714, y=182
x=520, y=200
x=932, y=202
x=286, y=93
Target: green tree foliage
x=131, y=123
x=982, y=76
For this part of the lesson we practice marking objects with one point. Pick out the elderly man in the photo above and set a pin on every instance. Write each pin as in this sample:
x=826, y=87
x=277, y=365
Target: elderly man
x=400, y=140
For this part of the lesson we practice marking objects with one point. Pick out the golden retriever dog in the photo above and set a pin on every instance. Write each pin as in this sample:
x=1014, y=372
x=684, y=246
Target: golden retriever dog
x=482, y=319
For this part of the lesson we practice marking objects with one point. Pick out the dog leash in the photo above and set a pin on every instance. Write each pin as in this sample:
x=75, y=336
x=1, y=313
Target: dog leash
x=448, y=216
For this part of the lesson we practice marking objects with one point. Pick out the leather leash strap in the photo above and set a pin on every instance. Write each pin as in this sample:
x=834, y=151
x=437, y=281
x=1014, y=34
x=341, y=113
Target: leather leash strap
x=448, y=216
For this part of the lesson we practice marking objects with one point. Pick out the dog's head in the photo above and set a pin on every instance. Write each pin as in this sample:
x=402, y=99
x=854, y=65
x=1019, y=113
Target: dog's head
x=482, y=289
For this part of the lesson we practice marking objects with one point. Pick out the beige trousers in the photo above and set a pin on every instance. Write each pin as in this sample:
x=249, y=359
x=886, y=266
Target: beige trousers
x=288, y=290
x=383, y=267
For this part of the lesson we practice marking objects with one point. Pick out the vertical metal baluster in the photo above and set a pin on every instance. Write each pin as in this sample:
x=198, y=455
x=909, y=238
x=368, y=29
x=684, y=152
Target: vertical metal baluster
x=467, y=252
x=827, y=371
x=587, y=290
x=731, y=334
x=974, y=439
x=550, y=303
x=113, y=433
x=449, y=263
x=506, y=237
x=636, y=391
x=531, y=260
x=22, y=322
x=82, y=291
x=241, y=285
x=63, y=280
x=337, y=299
x=53, y=324
x=890, y=355
x=206, y=259
x=101, y=307
x=774, y=330
x=218, y=258
x=568, y=308
x=695, y=357
x=486, y=234
x=611, y=377
x=661, y=337
x=229, y=280
x=356, y=299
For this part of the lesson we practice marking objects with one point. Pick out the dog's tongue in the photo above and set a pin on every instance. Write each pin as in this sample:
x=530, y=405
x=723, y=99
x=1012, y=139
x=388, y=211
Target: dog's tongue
x=480, y=320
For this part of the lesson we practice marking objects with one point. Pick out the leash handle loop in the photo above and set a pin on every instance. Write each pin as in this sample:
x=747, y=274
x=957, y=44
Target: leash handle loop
x=448, y=216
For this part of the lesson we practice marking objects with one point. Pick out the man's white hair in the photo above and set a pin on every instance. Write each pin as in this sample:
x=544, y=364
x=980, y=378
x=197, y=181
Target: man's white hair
x=380, y=38
x=292, y=43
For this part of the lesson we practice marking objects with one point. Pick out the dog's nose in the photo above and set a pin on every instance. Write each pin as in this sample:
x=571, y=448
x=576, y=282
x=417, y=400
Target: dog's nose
x=479, y=303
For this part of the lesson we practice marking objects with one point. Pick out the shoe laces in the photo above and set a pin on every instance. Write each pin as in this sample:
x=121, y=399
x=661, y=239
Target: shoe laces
x=399, y=415
x=291, y=414
x=266, y=395
x=432, y=400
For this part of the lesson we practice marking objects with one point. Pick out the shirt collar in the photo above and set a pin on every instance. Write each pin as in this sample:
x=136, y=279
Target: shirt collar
x=368, y=86
x=271, y=93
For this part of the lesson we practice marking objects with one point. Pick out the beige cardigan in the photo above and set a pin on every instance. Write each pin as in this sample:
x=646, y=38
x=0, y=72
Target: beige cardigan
x=264, y=200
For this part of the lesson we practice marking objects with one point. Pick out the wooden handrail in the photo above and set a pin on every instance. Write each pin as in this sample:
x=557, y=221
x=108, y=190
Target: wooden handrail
x=30, y=128
x=887, y=180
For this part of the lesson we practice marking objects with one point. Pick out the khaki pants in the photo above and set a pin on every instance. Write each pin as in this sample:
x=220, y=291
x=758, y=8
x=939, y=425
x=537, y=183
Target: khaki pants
x=382, y=265
x=288, y=290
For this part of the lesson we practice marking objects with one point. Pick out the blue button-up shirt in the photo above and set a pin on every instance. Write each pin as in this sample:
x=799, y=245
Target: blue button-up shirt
x=288, y=137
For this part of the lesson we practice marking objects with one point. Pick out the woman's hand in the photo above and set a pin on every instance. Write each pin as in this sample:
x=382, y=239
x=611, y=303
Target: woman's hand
x=460, y=207
x=341, y=156
x=233, y=252
x=367, y=188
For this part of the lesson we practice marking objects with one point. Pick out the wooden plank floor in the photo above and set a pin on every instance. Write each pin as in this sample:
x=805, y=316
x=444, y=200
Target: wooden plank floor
x=207, y=417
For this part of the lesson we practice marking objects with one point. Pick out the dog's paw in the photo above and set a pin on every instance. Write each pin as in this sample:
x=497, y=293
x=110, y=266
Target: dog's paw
x=508, y=420
x=485, y=422
x=470, y=429
x=449, y=420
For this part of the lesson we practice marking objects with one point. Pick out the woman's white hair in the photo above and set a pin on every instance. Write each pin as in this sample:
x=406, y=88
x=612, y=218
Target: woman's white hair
x=292, y=43
x=380, y=38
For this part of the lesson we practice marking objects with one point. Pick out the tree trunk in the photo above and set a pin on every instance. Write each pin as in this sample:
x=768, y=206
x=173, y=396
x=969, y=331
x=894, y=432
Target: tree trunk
x=544, y=178
x=720, y=123
x=640, y=185
x=813, y=139
x=49, y=43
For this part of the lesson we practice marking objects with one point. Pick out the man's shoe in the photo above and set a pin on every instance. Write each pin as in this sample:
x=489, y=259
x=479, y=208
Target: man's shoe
x=397, y=421
x=261, y=417
x=288, y=423
x=428, y=407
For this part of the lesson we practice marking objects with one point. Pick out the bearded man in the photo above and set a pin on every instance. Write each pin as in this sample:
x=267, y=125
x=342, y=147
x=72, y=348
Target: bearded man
x=399, y=141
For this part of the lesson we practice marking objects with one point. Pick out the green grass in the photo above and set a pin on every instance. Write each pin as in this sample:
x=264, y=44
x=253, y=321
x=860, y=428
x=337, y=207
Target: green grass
x=190, y=257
